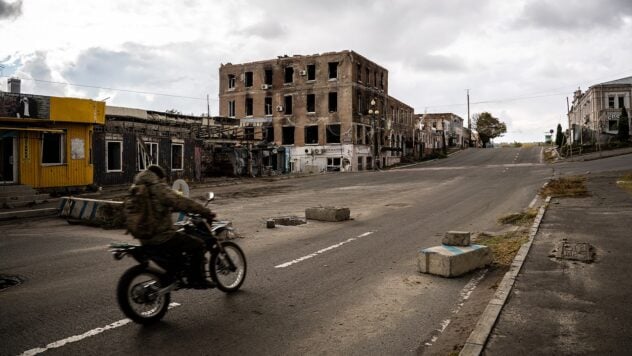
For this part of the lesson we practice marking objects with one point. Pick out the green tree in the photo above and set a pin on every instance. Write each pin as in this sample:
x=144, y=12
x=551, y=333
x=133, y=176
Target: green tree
x=488, y=127
x=559, y=136
x=624, y=126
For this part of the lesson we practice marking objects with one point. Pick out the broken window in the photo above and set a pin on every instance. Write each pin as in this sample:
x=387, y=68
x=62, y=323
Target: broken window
x=289, y=75
x=613, y=125
x=268, y=132
x=268, y=76
x=382, y=80
x=53, y=145
x=611, y=102
x=288, y=105
x=288, y=135
x=268, y=105
x=311, y=103
x=248, y=80
x=333, y=70
x=231, y=81
x=248, y=106
x=177, y=156
x=360, y=165
x=367, y=75
x=311, y=135
x=333, y=164
x=333, y=101
x=148, y=156
x=311, y=72
x=621, y=102
x=231, y=108
x=359, y=70
x=333, y=133
x=249, y=133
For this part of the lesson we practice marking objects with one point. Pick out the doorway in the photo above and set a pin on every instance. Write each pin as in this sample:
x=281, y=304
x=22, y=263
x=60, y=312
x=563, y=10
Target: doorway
x=8, y=156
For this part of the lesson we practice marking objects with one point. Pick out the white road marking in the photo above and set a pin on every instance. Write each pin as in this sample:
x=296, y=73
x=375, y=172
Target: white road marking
x=75, y=338
x=464, y=295
x=300, y=259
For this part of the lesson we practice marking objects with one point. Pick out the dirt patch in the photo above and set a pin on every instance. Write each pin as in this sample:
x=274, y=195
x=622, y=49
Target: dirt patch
x=524, y=218
x=625, y=183
x=503, y=246
x=566, y=187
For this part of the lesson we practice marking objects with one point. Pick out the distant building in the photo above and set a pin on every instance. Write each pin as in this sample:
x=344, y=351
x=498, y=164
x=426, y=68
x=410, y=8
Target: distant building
x=327, y=112
x=594, y=114
x=448, y=130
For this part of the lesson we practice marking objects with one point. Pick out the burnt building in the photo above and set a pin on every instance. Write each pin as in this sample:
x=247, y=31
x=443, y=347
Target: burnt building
x=326, y=112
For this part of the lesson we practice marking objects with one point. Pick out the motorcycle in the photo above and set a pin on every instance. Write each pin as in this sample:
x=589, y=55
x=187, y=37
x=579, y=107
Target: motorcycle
x=144, y=291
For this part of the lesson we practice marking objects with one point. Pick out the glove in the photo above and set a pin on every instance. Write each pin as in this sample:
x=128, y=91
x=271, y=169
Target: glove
x=210, y=216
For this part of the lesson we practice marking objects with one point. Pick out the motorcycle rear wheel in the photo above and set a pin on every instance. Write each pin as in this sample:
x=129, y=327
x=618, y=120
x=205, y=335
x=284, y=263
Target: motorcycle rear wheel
x=136, y=295
x=228, y=269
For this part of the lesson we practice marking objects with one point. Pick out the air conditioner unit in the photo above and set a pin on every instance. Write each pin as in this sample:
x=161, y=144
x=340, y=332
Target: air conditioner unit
x=279, y=108
x=266, y=86
x=303, y=72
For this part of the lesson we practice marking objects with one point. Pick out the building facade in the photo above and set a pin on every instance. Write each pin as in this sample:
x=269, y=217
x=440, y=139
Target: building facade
x=594, y=114
x=329, y=112
x=46, y=142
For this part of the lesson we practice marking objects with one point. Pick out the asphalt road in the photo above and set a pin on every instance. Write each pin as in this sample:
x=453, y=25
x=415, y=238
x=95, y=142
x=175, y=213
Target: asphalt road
x=358, y=293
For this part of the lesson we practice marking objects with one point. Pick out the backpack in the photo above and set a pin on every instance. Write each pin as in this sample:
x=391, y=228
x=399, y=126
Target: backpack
x=138, y=212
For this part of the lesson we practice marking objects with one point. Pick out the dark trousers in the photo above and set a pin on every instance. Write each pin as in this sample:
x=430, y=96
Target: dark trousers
x=191, y=245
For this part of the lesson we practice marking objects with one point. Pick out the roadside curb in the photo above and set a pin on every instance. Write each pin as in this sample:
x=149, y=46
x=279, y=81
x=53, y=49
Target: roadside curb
x=33, y=213
x=476, y=342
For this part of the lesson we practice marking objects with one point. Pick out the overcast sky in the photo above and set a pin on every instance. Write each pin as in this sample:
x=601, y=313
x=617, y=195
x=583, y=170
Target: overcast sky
x=519, y=59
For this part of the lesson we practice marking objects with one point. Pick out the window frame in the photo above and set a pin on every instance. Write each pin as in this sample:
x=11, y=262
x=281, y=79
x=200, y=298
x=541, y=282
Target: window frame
x=311, y=128
x=248, y=79
x=329, y=133
x=61, y=149
x=107, y=156
x=231, y=108
x=231, y=81
x=249, y=108
x=173, y=144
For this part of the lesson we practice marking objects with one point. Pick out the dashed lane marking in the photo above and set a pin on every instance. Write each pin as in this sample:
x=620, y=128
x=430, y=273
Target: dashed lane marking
x=300, y=259
x=75, y=338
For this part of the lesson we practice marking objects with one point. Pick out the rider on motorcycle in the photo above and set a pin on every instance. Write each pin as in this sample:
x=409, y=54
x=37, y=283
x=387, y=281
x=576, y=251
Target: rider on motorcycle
x=165, y=237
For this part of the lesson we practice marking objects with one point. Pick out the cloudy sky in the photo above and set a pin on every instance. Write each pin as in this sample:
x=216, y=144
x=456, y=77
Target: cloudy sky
x=519, y=59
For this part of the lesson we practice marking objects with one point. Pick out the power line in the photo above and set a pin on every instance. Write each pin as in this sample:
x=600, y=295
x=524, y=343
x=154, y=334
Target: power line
x=113, y=89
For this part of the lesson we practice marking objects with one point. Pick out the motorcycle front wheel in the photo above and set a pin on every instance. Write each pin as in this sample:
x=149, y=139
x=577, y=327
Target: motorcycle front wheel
x=137, y=297
x=228, y=268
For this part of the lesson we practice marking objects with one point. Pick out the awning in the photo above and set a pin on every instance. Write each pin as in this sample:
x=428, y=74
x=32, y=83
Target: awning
x=37, y=129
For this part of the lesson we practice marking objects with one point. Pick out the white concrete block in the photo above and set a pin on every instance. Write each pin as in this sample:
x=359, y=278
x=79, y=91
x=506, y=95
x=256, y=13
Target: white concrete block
x=456, y=238
x=453, y=261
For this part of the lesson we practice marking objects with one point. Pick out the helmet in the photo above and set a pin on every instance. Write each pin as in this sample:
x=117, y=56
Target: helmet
x=159, y=171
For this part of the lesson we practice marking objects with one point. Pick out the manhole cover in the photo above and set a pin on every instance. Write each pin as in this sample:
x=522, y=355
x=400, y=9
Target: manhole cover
x=7, y=281
x=574, y=251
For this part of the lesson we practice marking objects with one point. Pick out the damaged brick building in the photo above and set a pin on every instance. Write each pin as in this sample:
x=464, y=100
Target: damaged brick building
x=326, y=112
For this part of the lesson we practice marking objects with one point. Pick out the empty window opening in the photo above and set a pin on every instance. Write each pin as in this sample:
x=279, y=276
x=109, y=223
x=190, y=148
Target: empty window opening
x=268, y=105
x=311, y=72
x=249, y=133
x=333, y=133
x=288, y=135
x=268, y=77
x=613, y=125
x=621, y=102
x=231, y=81
x=382, y=80
x=359, y=70
x=268, y=133
x=53, y=145
x=333, y=164
x=288, y=105
x=369, y=163
x=248, y=79
x=289, y=75
x=611, y=102
x=367, y=75
x=333, y=101
x=333, y=70
x=311, y=135
x=231, y=108
x=114, y=156
x=249, y=107
x=360, y=165
x=177, y=156
x=311, y=103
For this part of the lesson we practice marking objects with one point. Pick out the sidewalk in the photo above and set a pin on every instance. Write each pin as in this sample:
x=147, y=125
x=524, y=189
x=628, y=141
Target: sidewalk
x=569, y=307
x=597, y=155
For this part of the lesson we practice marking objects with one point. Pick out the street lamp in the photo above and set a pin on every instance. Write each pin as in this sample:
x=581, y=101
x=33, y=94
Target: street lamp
x=373, y=111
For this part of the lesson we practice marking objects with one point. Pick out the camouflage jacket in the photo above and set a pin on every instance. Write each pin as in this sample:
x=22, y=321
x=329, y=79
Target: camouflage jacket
x=164, y=202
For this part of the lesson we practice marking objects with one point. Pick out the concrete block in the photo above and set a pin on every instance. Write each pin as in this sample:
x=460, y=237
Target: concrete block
x=456, y=238
x=327, y=214
x=453, y=261
x=270, y=224
x=105, y=213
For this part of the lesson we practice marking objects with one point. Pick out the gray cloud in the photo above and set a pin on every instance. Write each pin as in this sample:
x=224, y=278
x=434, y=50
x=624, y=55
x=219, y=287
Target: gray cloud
x=438, y=63
x=267, y=29
x=584, y=15
x=10, y=10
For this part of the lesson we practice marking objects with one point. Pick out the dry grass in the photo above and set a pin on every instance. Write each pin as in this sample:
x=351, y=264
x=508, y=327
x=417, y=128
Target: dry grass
x=566, y=187
x=504, y=247
x=625, y=183
x=520, y=219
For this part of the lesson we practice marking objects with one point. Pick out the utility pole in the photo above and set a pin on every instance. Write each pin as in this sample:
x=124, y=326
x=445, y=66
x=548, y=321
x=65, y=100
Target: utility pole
x=469, y=121
x=208, y=107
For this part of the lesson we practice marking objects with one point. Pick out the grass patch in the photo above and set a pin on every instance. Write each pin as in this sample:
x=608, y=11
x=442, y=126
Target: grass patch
x=520, y=219
x=625, y=183
x=566, y=187
x=504, y=247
